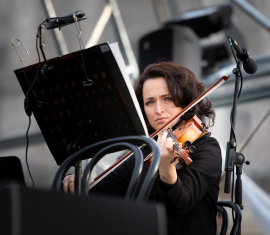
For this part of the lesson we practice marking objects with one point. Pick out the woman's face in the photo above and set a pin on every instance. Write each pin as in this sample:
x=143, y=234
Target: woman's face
x=158, y=104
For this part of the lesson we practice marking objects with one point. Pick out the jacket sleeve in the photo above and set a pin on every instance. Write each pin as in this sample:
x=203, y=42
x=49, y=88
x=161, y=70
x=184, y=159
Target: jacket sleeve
x=195, y=180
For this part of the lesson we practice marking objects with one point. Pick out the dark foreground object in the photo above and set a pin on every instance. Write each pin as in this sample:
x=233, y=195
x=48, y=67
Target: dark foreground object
x=32, y=212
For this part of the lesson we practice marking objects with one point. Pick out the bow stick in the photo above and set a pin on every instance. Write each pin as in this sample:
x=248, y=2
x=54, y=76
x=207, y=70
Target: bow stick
x=164, y=127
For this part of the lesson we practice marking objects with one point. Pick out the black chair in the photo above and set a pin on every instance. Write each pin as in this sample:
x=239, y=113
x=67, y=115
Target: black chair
x=224, y=215
x=136, y=171
x=105, y=147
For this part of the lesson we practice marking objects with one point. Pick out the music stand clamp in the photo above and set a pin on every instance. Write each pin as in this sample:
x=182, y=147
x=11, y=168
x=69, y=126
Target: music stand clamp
x=41, y=33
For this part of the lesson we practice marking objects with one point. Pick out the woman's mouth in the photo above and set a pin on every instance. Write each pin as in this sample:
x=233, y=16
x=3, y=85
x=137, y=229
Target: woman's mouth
x=161, y=120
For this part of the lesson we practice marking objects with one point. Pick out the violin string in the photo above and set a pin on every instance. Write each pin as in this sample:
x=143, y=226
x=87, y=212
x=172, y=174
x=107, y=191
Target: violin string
x=176, y=145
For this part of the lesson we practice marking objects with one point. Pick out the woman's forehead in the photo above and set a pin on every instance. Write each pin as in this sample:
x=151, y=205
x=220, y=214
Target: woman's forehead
x=154, y=87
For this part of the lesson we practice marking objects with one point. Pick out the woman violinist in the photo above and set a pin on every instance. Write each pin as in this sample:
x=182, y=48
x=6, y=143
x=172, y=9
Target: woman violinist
x=190, y=193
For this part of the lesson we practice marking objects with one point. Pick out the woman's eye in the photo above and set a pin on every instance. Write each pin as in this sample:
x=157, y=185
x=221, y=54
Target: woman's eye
x=149, y=102
x=168, y=98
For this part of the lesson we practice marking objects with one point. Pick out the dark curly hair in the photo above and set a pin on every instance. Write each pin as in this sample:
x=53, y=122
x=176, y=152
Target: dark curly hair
x=183, y=86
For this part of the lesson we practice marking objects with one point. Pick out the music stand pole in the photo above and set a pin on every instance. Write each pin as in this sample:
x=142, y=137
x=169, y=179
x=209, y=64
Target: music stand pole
x=78, y=172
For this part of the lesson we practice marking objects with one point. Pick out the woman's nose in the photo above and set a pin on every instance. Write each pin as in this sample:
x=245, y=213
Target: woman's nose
x=159, y=108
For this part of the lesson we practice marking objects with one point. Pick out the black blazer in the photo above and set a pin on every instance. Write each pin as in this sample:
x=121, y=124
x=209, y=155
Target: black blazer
x=191, y=201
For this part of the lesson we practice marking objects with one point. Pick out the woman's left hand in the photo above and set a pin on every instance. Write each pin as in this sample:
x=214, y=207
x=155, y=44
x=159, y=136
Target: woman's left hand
x=167, y=170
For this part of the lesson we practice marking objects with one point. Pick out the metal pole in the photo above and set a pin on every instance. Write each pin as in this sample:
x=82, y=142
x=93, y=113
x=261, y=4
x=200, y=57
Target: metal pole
x=100, y=26
x=253, y=13
x=123, y=36
x=163, y=10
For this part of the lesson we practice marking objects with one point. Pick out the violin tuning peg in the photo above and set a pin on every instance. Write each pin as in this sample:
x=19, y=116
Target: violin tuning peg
x=192, y=148
x=204, y=127
x=187, y=144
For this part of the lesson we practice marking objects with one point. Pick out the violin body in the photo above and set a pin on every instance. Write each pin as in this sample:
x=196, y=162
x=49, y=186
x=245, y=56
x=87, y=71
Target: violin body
x=185, y=133
x=189, y=130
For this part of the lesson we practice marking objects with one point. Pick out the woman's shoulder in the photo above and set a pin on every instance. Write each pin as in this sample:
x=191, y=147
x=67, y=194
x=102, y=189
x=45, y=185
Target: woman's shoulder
x=208, y=147
x=207, y=156
x=206, y=141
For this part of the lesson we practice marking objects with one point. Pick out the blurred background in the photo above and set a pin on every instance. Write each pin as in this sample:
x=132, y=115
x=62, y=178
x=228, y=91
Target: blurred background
x=189, y=32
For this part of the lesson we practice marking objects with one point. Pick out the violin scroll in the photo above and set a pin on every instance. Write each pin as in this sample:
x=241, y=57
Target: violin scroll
x=183, y=153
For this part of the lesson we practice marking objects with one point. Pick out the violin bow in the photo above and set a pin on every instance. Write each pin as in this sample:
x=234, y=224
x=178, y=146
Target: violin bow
x=164, y=127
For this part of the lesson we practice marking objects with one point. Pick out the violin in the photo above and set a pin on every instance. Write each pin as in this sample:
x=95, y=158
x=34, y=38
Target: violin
x=186, y=132
x=181, y=154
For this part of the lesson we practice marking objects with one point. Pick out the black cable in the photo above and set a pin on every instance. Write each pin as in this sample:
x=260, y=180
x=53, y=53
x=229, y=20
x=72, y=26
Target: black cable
x=31, y=87
x=27, y=107
x=239, y=92
x=27, y=144
x=232, y=127
x=232, y=193
x=239, y=69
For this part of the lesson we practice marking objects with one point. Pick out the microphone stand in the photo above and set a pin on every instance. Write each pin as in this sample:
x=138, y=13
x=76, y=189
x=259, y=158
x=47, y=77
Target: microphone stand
x=234, y=158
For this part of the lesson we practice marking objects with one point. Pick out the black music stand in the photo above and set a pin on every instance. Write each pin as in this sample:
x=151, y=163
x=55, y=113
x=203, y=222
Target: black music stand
x=86, y=98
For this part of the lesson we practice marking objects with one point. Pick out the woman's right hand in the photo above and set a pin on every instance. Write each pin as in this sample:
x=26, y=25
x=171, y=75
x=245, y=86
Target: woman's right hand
x=167, y=170
x=69, y=183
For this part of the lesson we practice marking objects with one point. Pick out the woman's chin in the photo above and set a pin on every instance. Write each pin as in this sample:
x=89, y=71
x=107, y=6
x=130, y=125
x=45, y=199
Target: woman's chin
x=158, y=126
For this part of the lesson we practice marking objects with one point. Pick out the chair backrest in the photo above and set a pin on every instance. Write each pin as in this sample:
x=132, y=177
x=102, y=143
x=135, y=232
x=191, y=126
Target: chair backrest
x=223, y=213
x=224, y=220
x=136, y=170
x=149, y=179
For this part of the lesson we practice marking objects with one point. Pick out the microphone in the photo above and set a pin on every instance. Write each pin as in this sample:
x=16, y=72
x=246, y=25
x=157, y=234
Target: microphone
x=249, y=64
x=61, y=21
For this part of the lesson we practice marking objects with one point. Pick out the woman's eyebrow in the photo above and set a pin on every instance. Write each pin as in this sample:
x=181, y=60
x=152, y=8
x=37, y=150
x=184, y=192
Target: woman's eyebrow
x=151, y=98
x=166, y=95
